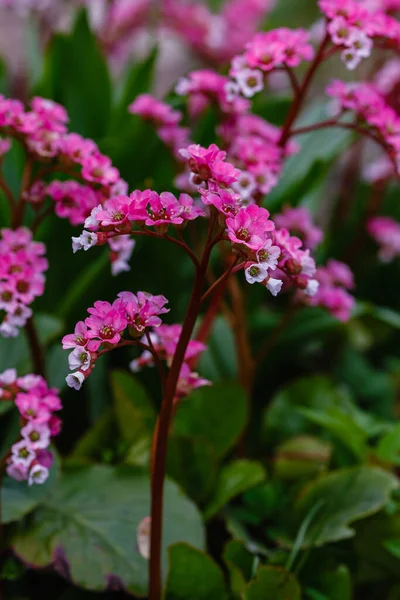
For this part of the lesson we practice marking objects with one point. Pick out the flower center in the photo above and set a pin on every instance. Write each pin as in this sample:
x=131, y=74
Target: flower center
x=243, y=234
x=34, y=436
x=254, y=271
x=22, y=286
x=107, y=332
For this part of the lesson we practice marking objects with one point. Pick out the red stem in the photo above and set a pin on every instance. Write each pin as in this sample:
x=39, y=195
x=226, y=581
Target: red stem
x=299, y=99
x=161, y=431
x=35, y=348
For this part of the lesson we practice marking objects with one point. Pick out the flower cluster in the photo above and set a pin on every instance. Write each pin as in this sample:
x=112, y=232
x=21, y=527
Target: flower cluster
x=164, y=342
x=43, y=133
x=147, y=208
x=164, y=119
x=381, y=121
x=22, y=265
x=354, y=25
x=386, y=232
x=264, y=250
x=30, y=457
x=299, y=222
x=267, y=51
x=334, y=282
x=104, y=329
x=349, y=28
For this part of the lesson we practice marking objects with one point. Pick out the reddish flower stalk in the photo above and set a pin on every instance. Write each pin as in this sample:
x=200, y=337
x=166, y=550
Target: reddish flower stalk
x=162, y=429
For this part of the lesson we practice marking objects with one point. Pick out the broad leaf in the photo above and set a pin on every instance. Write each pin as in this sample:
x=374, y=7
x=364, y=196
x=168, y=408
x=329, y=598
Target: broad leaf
x=191, y=462
x=87, y=527
x=388, y=449
x=273, y=583
x=217, y=414
x=18, y=498
x=345, y=496
x=219, y=361
x=235, y=478
x=135, y=416
x=193, y=574
x=240, y=563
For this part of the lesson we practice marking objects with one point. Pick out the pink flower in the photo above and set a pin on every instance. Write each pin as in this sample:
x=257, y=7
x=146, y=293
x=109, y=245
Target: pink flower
x=250, y=226
x=142, y=310
x=154, y=110
x=98, y=169
x=22, y=453
x=208, y=163
x=190, y=210
x=163, y=209
x=106, y=328
x=299, y=221
x=386, y=232
x=115, y=213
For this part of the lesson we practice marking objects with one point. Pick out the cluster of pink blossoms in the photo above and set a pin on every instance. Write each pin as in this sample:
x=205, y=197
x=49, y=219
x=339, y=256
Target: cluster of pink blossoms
x=132, y=319
x=380, y=120
x=265, y=52
x=30, y=457
x=164, y=119
x=22, y=265
x=299, y=222
x=164, y=341
x=264, y=250
x=43, y=133
x=354, y=25
x=386, y=232
x=334, y=282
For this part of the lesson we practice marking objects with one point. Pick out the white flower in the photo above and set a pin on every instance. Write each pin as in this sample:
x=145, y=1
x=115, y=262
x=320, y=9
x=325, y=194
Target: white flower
x=360, y=43
x=20, y=315
x=350, y=58
x=37, y=434
x=79, y=358
x=269, y=255
x=307, y=264
x=22, y=453
x=274, y=286
x=8, y=377
x=182, y=88
x=231, y=91
x=8, y=330
x=85, y=241
x=250, y=81
x=256, y=272
x=312, y=287
x=38, y=474
x=245, y=185
x=75, y=380
x=91, y=220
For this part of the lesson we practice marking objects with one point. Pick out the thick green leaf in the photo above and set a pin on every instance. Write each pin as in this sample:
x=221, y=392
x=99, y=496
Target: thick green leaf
x=235, y=478
x=217, y=414
x=219, y=361
x=97, y=438
x=345, y=495
x=193, y=574
x=282, y=417
x=240, y=563
x=388, y=449
x=84, y=91
x=133, y=409
x=135, y=416
x=138, y=81
x=273, y=583
x=342, y=427
x=88, y=525
x=191, y=462
x=18, y=499
x=318, y=147
x=375, y=548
